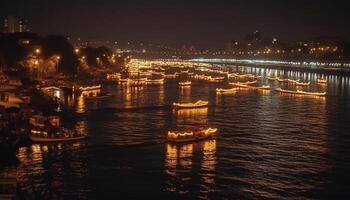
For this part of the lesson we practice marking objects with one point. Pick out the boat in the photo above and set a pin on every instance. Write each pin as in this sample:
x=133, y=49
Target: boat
x=185, y=83
x=322, y=81
x=300, y=92
x=264, y=87
x=49, y=129
x=62, y=136
x=97, y=87
x=99, y=96
x=226, y=91
x=216, y=79
x=302, y=83
x=124, y=80
x=137, y=82
x=155, y=81
x=272, y=78
x=312, y=93
x=287, y=80
x=244, y=83
x=191, y=136
x=197, y=104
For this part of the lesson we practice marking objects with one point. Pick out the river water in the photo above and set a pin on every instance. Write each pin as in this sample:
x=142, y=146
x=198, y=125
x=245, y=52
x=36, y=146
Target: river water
x=269, y=145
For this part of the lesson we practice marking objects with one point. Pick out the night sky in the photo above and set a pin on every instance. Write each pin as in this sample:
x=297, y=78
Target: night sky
x=202, y=23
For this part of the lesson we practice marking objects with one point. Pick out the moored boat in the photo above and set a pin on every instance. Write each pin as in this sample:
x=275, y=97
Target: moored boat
x=197, y=104
x=191, y=136
x=226, y=91
x=155, y=81
x=48, y=129
x=302, y=83
x=88, y=88
x=272, y=78
x=322, y=81
x=300, y=92
x=185, y=83
x=244, y=83
x=99, y=96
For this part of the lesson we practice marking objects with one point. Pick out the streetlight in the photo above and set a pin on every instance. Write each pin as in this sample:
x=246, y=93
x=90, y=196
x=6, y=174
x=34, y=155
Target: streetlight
x=37, y=51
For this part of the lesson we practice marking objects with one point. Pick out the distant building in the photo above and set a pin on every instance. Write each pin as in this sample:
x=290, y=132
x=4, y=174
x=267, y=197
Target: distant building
x=13, y=24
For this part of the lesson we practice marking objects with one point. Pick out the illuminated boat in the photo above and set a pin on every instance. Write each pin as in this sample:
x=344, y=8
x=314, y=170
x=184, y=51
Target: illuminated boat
x=299, y=92
x=244, y=83
x=191, y=136
x=322, y=81
x=97, y=87
x=185, y=83
x=99, y=96
x=124, y=80
x=272, y=78
x=226, y=91
x=216, y=79
x=287, y=80
x=60, y=136
x=155, y=81
x=302, y=83
x=264, y=87
x=137, y=82
x=197, y=104
x=48, y=129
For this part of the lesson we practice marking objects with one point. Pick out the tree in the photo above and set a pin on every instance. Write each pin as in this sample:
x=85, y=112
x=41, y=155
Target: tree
x=59, y=45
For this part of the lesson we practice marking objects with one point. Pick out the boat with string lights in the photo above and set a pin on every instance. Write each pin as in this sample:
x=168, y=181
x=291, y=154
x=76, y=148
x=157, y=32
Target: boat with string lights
x=222, y=91
x=191, y=136
x=300, y=92
x=243, y=83
x=185, y=83
x=197, y=104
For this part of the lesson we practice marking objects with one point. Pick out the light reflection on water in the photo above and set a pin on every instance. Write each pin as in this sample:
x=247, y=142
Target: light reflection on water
x=269, y=145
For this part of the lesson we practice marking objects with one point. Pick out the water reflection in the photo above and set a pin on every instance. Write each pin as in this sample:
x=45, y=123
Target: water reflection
x=179, y=166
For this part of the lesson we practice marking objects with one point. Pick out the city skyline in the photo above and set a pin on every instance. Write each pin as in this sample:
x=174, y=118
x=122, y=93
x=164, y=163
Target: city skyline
x=206, y=25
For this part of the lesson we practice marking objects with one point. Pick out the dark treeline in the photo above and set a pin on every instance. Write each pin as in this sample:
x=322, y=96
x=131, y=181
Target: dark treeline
x=15, y=48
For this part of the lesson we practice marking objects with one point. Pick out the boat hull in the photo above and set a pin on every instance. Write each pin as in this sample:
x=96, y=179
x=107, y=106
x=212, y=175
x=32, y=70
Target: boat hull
x=41, y=139
x=188, y=140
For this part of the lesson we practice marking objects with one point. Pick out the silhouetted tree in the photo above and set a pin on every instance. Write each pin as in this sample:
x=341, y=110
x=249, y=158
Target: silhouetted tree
x=59, y=45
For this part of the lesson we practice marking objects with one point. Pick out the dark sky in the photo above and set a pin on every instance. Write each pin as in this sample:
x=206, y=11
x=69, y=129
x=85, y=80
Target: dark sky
x=203, y=23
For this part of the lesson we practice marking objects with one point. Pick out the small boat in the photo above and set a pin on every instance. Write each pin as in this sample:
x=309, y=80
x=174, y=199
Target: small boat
x=244, y=83
x=63, y=136
x=197, y=104
x=191, y=136
x=155, y=81
x=302, y=83
x=264, y=87
x=124, y=80
x=226, y=91
x=322, y=81
x=312, y=93
x=272, y=78
x=299, y=92
x=216, y=79
x=97, y=87
x=185, y=83
x=287, y=80
x=99, y=96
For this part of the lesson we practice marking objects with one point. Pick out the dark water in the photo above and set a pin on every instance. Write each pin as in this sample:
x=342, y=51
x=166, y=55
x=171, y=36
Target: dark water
x=269, y=145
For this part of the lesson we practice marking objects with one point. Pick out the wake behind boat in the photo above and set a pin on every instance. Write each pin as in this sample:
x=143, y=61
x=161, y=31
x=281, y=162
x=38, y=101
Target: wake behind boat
x=191, y=136
x=197, y=104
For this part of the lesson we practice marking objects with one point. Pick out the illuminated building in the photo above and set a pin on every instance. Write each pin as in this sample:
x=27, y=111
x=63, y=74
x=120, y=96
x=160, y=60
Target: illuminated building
x=14, y=24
